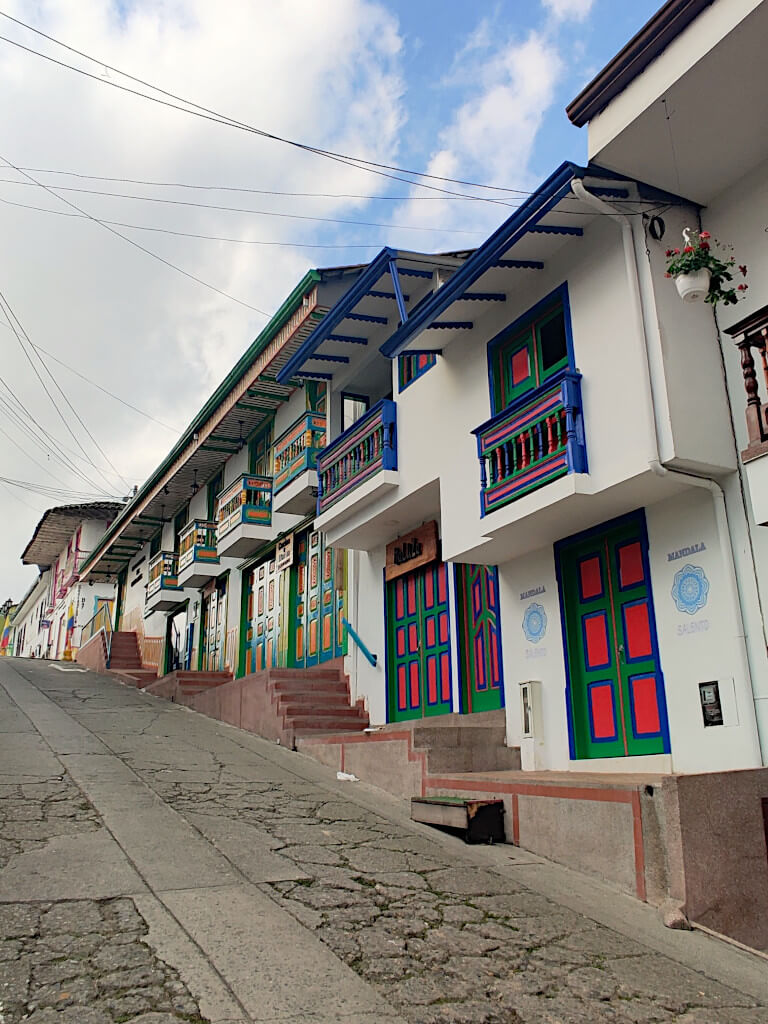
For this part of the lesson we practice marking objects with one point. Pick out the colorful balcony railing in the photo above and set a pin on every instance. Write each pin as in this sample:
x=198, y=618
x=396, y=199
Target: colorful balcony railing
x=197, y=543
x=163, y=572
x=296, y=450
x=533, y=441
x=369, y=446
x=248, y=499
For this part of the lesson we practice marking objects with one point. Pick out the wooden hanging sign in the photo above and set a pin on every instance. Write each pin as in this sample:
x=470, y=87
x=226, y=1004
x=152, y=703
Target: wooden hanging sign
x=411, y=551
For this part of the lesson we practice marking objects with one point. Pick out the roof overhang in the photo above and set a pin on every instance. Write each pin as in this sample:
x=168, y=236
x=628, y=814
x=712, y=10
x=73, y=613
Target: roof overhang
x=386, y=293
x=644, y=47
x=55, y=529
x=247, y=397
x=549, y=219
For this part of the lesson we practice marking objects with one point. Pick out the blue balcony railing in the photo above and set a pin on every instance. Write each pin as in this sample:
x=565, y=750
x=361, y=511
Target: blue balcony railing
x=533, y=441
x=369, y=446
x=296, y=450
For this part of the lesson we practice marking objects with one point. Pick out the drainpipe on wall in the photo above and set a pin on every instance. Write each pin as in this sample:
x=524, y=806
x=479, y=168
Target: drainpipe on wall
x=725, y=540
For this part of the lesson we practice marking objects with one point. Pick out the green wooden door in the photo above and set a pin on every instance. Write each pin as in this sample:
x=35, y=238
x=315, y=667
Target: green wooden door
x=263, y=619
x=479, y=639
x=418, y=644
x=616, y=688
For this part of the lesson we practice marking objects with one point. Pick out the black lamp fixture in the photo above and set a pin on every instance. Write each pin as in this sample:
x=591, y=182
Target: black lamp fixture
x=195, y=488
x=240, y=441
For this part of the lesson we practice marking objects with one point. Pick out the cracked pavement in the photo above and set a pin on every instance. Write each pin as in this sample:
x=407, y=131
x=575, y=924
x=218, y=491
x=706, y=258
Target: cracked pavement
x=241, y=882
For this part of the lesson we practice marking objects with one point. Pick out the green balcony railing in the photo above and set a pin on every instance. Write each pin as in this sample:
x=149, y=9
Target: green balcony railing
x=163, y=572
x=247, y=500
x=296, y=450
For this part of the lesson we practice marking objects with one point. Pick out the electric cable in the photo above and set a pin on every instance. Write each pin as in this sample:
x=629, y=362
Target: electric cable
x=4, y=303
x=133, y=242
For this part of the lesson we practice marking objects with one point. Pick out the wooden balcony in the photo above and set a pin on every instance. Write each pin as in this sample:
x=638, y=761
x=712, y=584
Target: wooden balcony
x=296, y=451
x=750, y=334
x=163, y=589
x=198, y=555
x=530, y=443
x=245, y=516
x=359, y=464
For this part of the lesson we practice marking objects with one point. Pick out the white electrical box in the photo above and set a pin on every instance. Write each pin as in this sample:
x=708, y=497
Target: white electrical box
x=531, y=725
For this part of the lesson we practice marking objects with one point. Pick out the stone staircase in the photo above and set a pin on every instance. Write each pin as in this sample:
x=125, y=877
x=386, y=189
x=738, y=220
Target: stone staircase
x=466, y=743
x=125, y=660
x=183, y=684
x=312, y=702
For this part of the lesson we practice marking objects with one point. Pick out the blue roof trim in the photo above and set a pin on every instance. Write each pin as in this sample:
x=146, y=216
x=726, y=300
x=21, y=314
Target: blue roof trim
x=524, y=218
x=376, y=268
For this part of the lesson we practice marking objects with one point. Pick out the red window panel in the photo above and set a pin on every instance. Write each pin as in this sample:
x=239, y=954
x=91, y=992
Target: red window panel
x=596, y=640
x=445, y=677
x=415, y=691
x=602, y=711
x=590, y=578
x=631, y=571
x=521, y=368
x=637, y=630
x=432, y=679
x=402, y=696
x=645, y=706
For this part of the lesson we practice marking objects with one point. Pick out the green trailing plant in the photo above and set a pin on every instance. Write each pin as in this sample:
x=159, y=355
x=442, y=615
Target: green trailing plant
x=699, y=254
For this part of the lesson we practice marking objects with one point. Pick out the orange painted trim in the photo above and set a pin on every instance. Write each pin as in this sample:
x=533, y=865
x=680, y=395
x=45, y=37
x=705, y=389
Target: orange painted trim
x=611, y=796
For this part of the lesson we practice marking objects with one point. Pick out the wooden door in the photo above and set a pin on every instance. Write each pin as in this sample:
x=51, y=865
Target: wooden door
x=418, y=644
x=479, y=639
x=318, y=596
x=616, y=688
x=263, y=618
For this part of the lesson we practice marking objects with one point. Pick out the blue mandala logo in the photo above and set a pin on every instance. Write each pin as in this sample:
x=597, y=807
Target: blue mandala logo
x=690, y=589
x=534, y=623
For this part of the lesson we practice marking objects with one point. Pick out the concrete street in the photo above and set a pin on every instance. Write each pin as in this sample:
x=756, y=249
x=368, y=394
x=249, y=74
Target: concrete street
x=156, y=866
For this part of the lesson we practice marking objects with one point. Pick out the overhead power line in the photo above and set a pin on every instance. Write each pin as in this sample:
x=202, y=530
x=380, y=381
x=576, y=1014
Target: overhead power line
x=10, y=317
x=197, y=110
x=131, y=241
x=238, y=209
x=270, y=191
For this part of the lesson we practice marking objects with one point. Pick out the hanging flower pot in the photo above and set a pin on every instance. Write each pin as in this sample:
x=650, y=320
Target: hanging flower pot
x=693, y=287
x=702, y=273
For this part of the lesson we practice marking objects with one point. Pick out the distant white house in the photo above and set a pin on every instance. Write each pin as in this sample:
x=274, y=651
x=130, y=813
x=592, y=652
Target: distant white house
x=62, y=541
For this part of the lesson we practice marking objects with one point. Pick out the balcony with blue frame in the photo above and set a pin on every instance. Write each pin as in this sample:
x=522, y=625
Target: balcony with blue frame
x=164, y=591
x=294, y=482
x=532, y=442
x=244, y=517
x=198, y=555
x=359, y=466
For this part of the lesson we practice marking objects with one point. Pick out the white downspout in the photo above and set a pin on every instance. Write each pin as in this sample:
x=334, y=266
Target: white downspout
x=760, y=741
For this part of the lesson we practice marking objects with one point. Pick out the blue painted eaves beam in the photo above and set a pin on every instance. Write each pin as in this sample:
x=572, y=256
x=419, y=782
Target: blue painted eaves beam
x=482, y=297
x=314, y=376
x=520, y=264
x=330, y=359
x=450, y=325
x=348, y=339
x=398, y=291
x=367, y=280
x=367, y=318
x=556, y=229
x=385, y=295
x=549, y=194
x=412, y=272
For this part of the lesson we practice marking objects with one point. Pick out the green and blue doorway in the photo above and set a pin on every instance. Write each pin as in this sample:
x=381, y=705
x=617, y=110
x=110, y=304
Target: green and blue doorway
x=616, y=702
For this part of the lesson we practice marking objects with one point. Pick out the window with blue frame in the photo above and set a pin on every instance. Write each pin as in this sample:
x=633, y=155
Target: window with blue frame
x=412, y=365
x=529, y=352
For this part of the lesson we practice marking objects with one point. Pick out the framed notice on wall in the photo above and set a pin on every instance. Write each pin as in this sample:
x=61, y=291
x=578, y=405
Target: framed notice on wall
x=413, y=550
x=284, y=552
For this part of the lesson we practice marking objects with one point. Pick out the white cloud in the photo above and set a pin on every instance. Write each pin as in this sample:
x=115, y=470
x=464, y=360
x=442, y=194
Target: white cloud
x=490, y=136
x=325, y=73
x=565, y=9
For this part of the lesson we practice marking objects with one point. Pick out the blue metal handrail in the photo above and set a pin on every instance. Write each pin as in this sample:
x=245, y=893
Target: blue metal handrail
x=101, y=622
x=372, y=658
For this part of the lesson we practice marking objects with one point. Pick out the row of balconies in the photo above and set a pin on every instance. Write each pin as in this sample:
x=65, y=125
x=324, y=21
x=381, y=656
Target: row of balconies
x=244, y=519
x=531, y=443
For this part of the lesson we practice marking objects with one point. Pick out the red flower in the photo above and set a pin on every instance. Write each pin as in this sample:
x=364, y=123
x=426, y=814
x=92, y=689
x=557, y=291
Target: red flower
x=667, y=275
x=677, y=252
x=669, y=252
x=688, y=248
x=704, y=234
x=703, y=245
x=743, y=271
x=743, y=287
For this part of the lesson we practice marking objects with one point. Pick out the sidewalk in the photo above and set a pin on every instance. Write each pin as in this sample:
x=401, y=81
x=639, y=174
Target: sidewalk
x=272, y=892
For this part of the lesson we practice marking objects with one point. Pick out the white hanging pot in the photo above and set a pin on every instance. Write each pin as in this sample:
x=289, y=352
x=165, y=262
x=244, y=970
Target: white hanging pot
x=693, y=287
